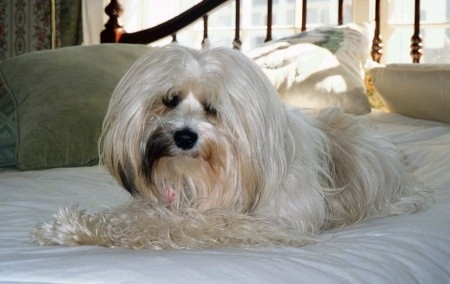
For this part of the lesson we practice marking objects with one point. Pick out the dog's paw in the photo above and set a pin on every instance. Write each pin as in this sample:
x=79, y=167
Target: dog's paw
x=67, y=228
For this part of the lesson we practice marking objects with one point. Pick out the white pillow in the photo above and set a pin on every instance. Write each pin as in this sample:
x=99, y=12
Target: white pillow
x=319, y=68
x=415, y=90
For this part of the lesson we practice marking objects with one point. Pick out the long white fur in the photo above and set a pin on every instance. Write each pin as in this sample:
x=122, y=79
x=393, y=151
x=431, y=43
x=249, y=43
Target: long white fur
x=260, y=173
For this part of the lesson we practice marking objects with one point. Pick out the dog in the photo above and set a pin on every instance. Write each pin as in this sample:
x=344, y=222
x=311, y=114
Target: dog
x=213, y=158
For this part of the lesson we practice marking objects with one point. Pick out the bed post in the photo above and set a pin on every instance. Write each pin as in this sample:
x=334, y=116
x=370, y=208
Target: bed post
x=304, y=14
x=341, y=12
x=113, y=30
x=237, y=40
x=416, y=40
x=377, y=43
x=205, y=40
x=269, y=21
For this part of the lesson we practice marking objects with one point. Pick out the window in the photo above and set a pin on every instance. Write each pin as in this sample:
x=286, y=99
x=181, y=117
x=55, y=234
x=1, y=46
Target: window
x=435, y=31
x=286, y=20
x=397, y=28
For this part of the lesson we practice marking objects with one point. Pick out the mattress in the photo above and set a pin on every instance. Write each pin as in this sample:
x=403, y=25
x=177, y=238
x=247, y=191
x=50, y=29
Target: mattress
x=412, y=248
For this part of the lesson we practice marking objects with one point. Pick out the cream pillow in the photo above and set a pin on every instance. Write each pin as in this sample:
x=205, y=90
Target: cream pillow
x=415, y=90
x=319, y=68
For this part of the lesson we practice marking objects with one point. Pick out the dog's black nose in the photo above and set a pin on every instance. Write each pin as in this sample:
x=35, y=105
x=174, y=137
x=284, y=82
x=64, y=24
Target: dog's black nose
x=185, y=138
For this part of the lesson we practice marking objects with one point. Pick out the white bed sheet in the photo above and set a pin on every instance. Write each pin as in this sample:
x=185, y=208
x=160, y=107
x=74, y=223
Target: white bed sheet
x=411, y=248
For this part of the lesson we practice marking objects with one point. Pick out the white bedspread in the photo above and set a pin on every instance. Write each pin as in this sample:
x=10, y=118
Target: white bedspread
x=400, y=249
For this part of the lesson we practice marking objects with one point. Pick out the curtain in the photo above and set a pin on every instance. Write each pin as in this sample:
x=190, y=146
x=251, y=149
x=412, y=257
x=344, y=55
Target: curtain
x=30, y=25
x=94, y=19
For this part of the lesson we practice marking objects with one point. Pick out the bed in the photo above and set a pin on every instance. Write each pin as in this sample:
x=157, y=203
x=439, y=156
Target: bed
x=49, y=160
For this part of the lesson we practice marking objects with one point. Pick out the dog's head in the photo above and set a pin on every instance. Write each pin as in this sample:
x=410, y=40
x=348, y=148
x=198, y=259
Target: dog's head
x=198, y=129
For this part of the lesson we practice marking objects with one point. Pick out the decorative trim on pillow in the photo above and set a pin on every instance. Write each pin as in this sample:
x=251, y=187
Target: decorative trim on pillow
x=415, y=90
x=8, y=132
x=319, y=68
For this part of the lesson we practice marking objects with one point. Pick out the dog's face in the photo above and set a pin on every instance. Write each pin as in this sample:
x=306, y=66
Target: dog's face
x=193, y=129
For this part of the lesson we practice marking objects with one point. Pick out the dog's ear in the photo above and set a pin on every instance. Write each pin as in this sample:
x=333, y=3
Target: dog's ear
x=157, y=146
x=127, y=182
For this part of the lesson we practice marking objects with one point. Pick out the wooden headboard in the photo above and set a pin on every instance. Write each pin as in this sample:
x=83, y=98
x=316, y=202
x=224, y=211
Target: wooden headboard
x=115, y=33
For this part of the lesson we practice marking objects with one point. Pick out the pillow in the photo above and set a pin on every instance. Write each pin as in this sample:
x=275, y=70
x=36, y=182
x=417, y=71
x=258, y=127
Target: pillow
x=319, y=68
x=60, y=99
x=416, y=90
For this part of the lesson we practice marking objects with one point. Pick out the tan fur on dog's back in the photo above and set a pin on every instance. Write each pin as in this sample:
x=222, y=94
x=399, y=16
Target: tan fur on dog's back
x=355, y=169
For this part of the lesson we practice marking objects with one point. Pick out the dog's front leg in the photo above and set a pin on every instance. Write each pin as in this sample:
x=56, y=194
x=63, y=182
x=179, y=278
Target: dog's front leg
x=146, y=225
x=139, y=225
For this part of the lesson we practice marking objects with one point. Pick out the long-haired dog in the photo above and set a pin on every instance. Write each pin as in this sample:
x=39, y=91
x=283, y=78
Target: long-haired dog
x=213, y=158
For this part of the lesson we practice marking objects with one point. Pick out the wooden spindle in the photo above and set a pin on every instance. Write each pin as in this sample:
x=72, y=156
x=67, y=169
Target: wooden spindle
x=269, y=20
x=113, y=29
x=416, y=39
x=237, y=40
x=304, y=14
x=377, y=42
x=205, y=41
x=341, y=12
x=174, y=37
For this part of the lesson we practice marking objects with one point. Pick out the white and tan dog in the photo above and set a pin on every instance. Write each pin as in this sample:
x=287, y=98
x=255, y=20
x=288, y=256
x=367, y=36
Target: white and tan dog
x=213, y=158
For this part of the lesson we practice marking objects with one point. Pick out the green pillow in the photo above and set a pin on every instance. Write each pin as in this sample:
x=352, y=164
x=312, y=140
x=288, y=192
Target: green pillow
x=60, y=99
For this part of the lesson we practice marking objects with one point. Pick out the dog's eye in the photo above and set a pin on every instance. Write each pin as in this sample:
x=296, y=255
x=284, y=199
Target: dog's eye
x=171, y=101
x=210, y=109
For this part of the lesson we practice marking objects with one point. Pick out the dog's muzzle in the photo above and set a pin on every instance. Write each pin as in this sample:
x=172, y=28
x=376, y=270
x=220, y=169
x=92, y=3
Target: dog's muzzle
x=185, y=139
